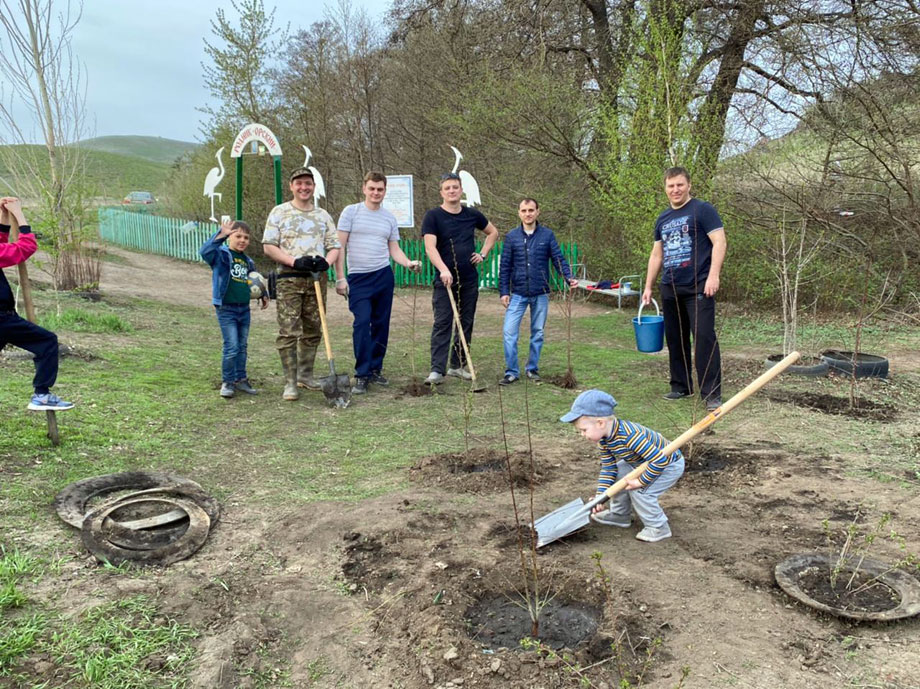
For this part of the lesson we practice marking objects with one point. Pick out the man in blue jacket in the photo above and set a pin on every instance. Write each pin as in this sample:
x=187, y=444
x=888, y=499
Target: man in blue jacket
x=524, y=281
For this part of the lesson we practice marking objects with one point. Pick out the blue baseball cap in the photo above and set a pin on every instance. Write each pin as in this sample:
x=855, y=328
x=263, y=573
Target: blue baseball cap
x=590, y=403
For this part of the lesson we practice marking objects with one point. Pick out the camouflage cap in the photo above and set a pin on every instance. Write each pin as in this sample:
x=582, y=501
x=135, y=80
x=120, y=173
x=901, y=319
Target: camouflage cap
x=300, y=172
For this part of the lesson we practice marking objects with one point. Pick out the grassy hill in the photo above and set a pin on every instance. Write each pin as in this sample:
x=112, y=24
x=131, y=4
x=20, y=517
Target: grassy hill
x=109, y=175
x=153, y=148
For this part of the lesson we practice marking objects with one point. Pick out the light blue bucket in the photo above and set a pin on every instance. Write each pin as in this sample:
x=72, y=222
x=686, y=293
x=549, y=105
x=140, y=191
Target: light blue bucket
x=649, y=330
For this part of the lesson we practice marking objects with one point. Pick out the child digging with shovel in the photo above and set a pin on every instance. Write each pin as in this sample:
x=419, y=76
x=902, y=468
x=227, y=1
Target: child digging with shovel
x=625, y=445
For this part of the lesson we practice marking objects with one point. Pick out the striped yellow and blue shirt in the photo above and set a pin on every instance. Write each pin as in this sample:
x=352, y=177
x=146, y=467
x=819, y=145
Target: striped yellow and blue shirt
x=634, y=444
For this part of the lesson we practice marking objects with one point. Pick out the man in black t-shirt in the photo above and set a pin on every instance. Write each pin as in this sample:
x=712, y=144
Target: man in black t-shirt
x=689, y=250
x=449, y=232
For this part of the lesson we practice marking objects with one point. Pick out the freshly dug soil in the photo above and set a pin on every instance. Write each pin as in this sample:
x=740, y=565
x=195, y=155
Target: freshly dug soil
x=876, y=597
x=864, y=409
x=501, y=620
x=481, y=469
x=416, y=389
x=566, y=381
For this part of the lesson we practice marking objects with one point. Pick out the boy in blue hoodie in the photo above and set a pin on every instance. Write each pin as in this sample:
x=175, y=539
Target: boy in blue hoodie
x=230, y=294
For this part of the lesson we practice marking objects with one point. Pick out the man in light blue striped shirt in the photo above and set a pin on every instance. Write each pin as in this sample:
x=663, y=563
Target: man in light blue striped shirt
x=624, y=446
x=370, y=235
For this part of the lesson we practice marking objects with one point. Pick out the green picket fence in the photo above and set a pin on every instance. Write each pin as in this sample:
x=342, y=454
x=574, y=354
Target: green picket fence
x=154, y=234
x=181, y=239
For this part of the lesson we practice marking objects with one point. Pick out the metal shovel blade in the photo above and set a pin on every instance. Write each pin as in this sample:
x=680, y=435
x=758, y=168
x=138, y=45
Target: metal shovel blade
x=336, y=388
x=561, y=522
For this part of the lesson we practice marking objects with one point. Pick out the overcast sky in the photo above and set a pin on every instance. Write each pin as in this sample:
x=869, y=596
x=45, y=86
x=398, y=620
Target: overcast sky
x=143, y=59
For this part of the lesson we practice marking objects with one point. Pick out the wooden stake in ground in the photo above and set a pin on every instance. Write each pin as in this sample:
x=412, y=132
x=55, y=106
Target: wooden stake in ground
x=26, y=288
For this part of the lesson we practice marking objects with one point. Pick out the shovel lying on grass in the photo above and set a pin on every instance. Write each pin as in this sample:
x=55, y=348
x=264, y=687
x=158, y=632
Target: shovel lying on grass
x=576, y=515
x=476, y=386
x=336, y=388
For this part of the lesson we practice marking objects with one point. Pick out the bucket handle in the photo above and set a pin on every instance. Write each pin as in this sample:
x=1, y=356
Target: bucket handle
x=641, y=306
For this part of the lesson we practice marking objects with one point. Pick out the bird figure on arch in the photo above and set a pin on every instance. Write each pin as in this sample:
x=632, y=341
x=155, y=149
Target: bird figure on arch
x=467, y=181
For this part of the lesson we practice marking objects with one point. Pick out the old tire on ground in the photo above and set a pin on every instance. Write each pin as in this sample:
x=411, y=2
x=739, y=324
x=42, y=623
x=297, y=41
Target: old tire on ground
x=71, y=502
x=866, y=365
x=908, y=589
x=105, y=551
x=818, y=369
x=160, y=531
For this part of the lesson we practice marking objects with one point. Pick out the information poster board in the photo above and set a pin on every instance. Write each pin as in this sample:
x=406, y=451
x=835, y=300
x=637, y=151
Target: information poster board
x=399, y=199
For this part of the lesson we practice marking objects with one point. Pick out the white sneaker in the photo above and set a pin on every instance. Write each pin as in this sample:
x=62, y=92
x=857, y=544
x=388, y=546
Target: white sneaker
x=460, y=373
x=607, y=518
x=652, y=534
x=434, y=378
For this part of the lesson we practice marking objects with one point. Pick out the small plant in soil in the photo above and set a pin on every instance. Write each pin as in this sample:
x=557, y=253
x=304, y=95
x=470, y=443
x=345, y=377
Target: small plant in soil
x=846, y=584
x=567, y=380
x=533, y=597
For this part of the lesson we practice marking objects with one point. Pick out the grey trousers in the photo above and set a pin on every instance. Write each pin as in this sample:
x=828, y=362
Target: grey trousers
x=644, y=502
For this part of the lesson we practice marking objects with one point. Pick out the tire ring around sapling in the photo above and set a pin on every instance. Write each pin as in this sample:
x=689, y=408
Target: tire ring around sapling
x=866, y=365
x=818, y=370
x=188, y=544
x=70, y=503
x=906, y=586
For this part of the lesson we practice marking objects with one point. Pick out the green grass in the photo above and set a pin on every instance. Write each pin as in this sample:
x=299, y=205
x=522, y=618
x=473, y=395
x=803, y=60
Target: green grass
x=108, y=175
x=83, y=321
x=110, y=646
x=147, y=399
x=153, y=148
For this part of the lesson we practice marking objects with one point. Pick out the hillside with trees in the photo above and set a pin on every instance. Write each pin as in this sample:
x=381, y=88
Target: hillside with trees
x=582, y=105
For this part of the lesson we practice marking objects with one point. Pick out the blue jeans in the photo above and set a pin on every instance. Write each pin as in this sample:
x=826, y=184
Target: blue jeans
x=234, y=327
x=539, y=307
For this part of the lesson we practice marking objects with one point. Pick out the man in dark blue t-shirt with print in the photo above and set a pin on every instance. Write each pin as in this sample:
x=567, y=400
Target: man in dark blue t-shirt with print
x=689, y=250
x=449, y=232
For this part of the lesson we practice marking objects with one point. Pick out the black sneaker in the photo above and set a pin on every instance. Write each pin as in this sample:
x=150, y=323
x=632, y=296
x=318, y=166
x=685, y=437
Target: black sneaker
x=380, y=379
x=360, y=386
x=508, y=379
x=713, y=403
x=534, y=376
x=676, y=395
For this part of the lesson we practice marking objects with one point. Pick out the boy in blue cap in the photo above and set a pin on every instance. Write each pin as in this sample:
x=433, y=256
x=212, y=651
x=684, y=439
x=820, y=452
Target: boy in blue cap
x=624, y=446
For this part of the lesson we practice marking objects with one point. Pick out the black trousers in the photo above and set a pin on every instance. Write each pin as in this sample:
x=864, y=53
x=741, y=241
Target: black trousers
x=17, y=331
x=688, y=313
x=466, y=294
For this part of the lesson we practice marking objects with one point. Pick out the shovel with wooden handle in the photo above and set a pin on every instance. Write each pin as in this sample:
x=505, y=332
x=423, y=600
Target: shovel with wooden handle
x=476, y=386
x=336, y=388
x=576, y=515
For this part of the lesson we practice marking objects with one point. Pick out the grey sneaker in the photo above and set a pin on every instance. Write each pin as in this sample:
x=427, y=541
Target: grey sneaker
x=244, y=386
x=508, y=379
x=534, y=376
x=290, y=393
x=460, y=373
x=608, y=518
x=434, y=378
x=713, y=403
x=652, y=534
x=360, y=386
x=676, y=395
x=227, y=390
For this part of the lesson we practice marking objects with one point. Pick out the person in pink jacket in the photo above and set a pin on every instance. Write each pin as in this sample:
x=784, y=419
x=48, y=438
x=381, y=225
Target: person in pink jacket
x=16, y=330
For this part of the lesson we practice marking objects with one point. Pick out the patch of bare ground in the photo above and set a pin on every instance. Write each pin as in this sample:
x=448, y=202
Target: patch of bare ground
x=860, y=409
x=482, y=469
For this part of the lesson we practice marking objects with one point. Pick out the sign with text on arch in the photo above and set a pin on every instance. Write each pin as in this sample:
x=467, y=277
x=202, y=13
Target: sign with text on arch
x=400, y=199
